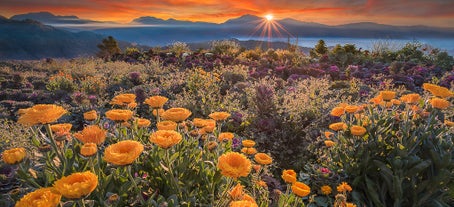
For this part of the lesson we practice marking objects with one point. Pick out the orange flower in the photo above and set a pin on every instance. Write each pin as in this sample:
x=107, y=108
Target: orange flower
x=198, y=122
x=329, y=143
x=249, y=198
x=225, y=136
x=262, y=184
x=387, y=95
x=411, y=98
x=123, y=152
x=88, y=149
x=237, y=192
x=155, y=112
x=219, y=116
x=300, y=189
x=123, y=99
x=234, y=165
x=289, y=176
x=376, y=100
x=212, y=145
x=248, y=143
x=326, y=190
x=263, y=159
x=439, y=103
x=338, y=126
x=342, y=105
x=165, y=138
x=41, y=114
x=119, y=115
x=328, y=134
x=210, y=125
x=350, y=205
x=437, y=90
x=76, y=185
x=337, y=111
x=156, y=101
x=243, y=203
x=43, y=197
x=143, y=122
x=167, y=125
x=14, y=155
x=344, y=187
x=248, y=150
x=395, y=102
x=90, y=115
x=256, y=167
x=363, y=119
x=91, y=134
x=61, y=127
x=357, y=130
x=449, y=123
x=176, y=114
x=351, y=109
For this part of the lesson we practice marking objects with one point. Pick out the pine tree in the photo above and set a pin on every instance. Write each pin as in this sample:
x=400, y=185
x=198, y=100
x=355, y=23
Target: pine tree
x=108, y=48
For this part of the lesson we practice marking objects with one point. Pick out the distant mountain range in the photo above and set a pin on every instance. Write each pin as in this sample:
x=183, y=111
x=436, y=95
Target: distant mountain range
x=70, y=36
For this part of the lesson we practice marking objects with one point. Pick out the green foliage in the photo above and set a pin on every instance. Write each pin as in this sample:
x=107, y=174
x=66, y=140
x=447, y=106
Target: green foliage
x=225, y=47
x=404, y=159
x=178, y=48
x=61, y=82
x=444, y=61
x=319, y=49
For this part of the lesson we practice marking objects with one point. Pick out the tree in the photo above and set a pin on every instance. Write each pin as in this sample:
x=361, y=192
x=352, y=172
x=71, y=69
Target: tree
x=108, y=48
x=319, y=49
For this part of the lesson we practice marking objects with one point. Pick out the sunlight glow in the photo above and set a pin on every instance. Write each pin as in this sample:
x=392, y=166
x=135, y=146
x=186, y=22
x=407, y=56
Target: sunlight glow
x=269, y=17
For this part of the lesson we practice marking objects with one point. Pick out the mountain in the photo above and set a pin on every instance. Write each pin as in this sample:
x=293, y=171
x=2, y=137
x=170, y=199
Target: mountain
x=29, y=39
x=49, y=18
x=245, y=19
x=148, y=20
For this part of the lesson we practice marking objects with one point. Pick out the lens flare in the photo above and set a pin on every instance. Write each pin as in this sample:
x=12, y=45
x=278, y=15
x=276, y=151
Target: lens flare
x=269, y=17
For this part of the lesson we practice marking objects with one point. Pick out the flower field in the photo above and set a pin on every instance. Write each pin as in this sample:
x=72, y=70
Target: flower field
x=230, y=127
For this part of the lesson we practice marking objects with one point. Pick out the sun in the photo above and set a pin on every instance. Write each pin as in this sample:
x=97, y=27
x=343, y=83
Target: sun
x=269, y=17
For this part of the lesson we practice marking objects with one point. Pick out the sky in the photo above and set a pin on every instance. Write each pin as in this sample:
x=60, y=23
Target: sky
x=332, y=12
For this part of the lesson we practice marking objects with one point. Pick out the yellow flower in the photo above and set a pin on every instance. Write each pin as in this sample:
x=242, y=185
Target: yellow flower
x=167, y=125
x=376, y=100
x=256, y=167
x=76, y=185
x=88, y=149
x=263, y=159
x=326, y=190
x=156, y=101
x=225, y=136
x=300, y=189
x=248, y=143
x=61, y=127
x=387, y=95
x=337, y=111
x=123, y=152
x=90, y=115
x=344, y=187
x=165, y=138
x=93, y=134
x=123, y=99
x=411, y=98
x=358, y=130
x=237, y=192
x=289, y=176
x=119, y=115
x=155, y=112
x=351, y=108
x=248, y=150
x=329, y=143
x=437, y=90
x=338, y=126
x=219, y=116
x=395, y=102
x=439, y=103
x=328, y=134
x=14, y=155
x=143, y=122
x=234, y=165
x=176, y=114
x=350, y=205
x=41, y=114
x=243, y=203
x=43, y=197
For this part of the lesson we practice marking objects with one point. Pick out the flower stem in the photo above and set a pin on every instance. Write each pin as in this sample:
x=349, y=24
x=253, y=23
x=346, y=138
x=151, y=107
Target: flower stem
x=136, y=187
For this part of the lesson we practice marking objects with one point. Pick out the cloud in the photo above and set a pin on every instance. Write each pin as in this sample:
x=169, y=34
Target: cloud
x=324, y=11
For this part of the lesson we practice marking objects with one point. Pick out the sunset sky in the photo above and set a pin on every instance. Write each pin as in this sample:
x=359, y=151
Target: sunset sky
x=332, y=12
